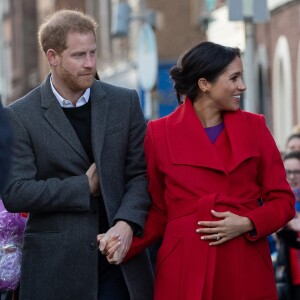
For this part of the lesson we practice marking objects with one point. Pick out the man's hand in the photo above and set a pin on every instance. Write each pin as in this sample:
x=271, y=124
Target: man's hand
x=294, y=224
x=93, y=180
x=109, y=248
x=116, y=242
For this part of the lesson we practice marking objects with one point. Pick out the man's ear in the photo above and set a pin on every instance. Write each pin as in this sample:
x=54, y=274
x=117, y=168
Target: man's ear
x=52, y=57
x=203, y=85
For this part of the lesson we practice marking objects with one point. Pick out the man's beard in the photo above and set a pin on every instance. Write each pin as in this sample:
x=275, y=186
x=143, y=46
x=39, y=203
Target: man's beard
x=79, y=82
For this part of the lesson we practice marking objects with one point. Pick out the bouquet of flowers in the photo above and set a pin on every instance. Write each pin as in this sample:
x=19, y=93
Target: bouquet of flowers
x=11, y=239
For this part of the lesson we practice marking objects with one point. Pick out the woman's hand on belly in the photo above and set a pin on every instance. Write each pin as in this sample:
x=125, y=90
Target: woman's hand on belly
x=228, y=227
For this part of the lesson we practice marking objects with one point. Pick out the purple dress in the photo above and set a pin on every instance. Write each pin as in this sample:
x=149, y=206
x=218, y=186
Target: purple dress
x=214, y=131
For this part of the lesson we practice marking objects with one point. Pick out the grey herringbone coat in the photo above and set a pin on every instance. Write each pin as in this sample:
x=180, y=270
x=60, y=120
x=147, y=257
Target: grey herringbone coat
x=60, y=254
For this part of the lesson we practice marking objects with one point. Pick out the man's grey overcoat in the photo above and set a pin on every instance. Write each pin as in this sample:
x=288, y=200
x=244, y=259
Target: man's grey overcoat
x=5, y=148
x=60, y=253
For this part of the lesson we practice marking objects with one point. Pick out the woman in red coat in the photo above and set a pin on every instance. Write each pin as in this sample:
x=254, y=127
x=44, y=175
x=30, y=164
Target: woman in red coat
x=218, y=186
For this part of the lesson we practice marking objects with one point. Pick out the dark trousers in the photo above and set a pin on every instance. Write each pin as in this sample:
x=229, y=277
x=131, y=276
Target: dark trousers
x=6, y=295
x=9, y=295
x=295, y=291
x=112, y=284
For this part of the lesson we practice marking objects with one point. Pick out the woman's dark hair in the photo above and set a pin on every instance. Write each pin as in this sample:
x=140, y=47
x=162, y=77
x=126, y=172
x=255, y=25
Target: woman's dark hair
x=292, y=154
x=205, y=60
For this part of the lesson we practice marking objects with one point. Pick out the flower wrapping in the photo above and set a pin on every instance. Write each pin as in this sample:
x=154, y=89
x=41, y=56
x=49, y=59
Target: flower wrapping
x=11, y=240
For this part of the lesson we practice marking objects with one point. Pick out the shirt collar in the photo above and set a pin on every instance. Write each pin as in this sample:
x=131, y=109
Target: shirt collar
x=67, y=103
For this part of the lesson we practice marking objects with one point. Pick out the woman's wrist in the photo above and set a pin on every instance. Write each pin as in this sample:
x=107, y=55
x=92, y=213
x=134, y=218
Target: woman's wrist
x=247, y=224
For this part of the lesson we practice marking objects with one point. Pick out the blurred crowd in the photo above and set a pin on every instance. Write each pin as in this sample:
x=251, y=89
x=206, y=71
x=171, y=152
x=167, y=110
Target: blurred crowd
x=285, y=244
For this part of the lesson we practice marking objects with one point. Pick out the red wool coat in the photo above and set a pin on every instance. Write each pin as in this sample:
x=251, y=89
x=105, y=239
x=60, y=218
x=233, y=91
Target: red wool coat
x=188, y=177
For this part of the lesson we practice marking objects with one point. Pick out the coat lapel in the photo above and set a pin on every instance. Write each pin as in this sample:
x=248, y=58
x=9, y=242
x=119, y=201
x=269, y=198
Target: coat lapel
x=188, y=141
x=57, y=119
x=241, y=138
x=190, y=145
x=100, y=108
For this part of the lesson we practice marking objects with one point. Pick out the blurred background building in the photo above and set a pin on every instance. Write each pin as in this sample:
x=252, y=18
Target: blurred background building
x=177, y=25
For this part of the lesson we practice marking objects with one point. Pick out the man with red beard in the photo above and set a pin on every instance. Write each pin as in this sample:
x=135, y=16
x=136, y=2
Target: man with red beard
x=78, y=170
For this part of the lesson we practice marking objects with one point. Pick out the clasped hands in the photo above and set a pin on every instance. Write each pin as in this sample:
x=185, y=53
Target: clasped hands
x=115, y=243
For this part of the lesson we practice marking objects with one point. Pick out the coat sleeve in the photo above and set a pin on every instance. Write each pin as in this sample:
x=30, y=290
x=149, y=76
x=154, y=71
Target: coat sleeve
x=278, y=198
x=157, y=217
x=136, y=201
x=5, y=148
x=25, y=193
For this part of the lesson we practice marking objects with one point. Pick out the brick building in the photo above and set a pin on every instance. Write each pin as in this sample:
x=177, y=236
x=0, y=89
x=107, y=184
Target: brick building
x=179, y=25
x=276, y=62
x=278, y=47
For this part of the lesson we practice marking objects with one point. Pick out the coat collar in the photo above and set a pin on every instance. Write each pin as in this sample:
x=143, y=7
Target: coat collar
x=189, y=143
x=57, y=119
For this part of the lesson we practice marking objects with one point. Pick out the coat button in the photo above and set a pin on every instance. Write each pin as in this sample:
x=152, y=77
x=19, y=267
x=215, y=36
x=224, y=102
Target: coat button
x=92, y=246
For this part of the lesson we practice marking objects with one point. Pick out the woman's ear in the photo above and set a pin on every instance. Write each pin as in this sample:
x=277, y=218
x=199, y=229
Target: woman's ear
x=52, y=57
x=203, y=85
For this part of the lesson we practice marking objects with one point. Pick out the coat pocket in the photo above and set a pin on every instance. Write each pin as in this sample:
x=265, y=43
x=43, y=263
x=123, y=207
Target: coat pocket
x=169, y=268
x=263, y=250
x=113, y=129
